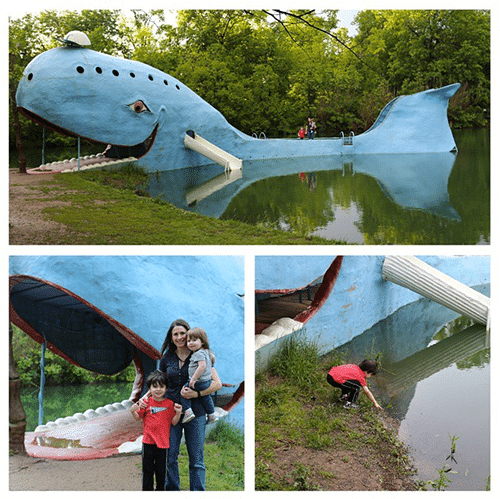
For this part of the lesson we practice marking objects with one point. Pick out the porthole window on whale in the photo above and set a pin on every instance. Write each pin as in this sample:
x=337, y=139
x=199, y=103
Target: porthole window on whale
x=30, y=76
x=132, y=75
x=80, y=69
x=115, y=72
x=177, y=87
x=165, y=82
x=150, y=77
x=98, y=70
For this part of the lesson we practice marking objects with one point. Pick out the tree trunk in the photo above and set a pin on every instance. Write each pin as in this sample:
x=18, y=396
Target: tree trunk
x=17, y=416
x=15, y=117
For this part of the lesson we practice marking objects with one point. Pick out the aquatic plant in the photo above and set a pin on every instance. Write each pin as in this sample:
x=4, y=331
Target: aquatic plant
x=443, y=481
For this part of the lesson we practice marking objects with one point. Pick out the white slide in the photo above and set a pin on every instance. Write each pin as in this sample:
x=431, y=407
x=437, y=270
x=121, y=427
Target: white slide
x=199, y=144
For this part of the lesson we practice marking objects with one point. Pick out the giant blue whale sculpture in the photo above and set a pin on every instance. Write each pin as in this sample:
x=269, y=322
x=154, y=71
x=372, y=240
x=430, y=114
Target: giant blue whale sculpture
x=147, y=116
x=349, y=295
x=103, y=313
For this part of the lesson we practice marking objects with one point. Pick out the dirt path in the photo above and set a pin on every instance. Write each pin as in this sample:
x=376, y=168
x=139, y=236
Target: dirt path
x=112, y=473
x=27, y=199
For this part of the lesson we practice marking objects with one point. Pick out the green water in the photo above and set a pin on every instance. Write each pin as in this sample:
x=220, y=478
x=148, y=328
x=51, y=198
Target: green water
x=63, y=401
x=355, y=208
x=435, y=382
x=347, y=205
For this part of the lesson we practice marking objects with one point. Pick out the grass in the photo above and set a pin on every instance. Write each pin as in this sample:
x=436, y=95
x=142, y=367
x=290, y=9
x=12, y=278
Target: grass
x=105, y=207
x=297, y=415
x=224, y=459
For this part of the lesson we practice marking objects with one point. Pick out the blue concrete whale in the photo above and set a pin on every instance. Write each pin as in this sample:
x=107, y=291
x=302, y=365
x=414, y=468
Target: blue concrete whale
x=143, y=114
x=103, y=313
x=358, y=297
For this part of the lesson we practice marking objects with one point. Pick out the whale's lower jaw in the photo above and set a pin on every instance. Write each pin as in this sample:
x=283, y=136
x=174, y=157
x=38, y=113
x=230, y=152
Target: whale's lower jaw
x=114, y=155
x=92, y=162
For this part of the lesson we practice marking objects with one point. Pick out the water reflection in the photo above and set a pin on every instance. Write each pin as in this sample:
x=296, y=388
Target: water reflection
x=435, y=382
x=411, y=181
x=370, y=199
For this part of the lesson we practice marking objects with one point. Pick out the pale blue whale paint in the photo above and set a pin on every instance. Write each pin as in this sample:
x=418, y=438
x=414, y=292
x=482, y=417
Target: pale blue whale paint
x=92, y=95
x=360, y=297
x=142, y=293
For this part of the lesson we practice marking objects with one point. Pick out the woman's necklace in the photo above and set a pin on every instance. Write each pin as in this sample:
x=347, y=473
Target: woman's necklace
x=182, y=357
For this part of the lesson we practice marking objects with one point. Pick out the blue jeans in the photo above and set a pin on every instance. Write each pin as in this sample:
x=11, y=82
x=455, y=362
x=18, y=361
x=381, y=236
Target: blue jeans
x=194, y=434
x=207, y=401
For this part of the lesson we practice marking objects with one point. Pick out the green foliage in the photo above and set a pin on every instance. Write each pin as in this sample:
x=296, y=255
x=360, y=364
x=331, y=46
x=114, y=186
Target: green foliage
x=268, y=73
x=27, y=355
x=420, y=49
x=443, y=479
x=33, y=34
x=302, y=479
x=227, y=435
x=100, y=214
x=296, y=360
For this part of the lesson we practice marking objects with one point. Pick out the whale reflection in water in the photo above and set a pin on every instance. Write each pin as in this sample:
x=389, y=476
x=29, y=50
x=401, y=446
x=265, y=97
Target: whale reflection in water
x=414, y=181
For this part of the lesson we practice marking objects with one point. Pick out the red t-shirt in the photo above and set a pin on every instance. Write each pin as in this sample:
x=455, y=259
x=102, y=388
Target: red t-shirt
x=348, y=371
x=157, y=419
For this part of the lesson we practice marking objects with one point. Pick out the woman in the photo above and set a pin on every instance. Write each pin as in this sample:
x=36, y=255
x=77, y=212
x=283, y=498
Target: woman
x=174, y=364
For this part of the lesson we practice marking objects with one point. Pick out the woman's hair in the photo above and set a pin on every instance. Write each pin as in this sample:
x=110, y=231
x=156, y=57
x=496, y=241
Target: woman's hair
x=156, y=378
x=199, y=333
x=369, y=366
x=167, y=344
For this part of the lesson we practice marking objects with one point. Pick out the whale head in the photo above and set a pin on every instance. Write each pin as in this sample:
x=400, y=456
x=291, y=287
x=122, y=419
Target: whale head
x=105, y=99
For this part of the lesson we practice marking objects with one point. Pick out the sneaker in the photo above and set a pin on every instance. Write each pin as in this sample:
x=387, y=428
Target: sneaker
x=351, y=405
x=212, y=418
x=188, y=416
x=343, y=398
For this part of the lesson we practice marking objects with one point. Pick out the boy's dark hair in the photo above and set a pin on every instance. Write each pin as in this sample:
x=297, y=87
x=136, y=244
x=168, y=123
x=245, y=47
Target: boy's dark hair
x=369, y=366
x=156, y=378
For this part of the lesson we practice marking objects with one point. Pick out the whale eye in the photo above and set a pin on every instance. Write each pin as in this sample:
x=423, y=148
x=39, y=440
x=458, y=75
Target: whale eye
x=139, y=107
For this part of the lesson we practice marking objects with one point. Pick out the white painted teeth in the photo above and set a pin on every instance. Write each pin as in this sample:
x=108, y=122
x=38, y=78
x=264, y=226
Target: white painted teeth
x=71, y=165
x=88, y=414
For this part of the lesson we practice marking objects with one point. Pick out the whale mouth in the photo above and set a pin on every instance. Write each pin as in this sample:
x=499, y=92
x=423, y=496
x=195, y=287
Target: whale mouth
x=85, y=335
x=113, y=154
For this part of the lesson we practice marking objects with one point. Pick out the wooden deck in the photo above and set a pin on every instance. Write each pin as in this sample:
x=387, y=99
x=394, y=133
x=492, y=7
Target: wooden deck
x=291, y=305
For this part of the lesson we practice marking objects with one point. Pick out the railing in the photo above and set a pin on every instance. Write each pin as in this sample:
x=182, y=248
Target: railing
x=347, y=140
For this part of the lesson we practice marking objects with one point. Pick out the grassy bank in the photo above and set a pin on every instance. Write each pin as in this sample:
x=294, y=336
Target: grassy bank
x=99, y=207
x=306, y=440
x=224, y=459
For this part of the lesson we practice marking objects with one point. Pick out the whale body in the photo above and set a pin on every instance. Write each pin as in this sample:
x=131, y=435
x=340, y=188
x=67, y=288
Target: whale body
x=143, y=114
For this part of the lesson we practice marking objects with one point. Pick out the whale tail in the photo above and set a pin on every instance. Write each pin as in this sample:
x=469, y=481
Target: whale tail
x=410, y=123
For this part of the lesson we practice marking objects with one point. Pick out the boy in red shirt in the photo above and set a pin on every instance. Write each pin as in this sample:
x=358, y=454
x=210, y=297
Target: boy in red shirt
x=350, y=378
x=157, y=417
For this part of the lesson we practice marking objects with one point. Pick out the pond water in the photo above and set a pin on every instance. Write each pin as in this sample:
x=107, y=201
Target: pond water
x=435, y=382
x=62, y=401
x=370, y=199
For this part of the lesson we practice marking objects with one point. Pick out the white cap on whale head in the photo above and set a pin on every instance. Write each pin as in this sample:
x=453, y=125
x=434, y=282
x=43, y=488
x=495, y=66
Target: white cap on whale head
x=76, y=38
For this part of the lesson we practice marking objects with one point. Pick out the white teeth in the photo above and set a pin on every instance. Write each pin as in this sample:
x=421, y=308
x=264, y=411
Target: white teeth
x=88, y=414
x=71, y=165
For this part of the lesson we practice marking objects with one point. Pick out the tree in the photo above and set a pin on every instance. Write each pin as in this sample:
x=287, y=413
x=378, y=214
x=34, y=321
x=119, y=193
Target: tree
x=34, y=34
x=420, y=49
